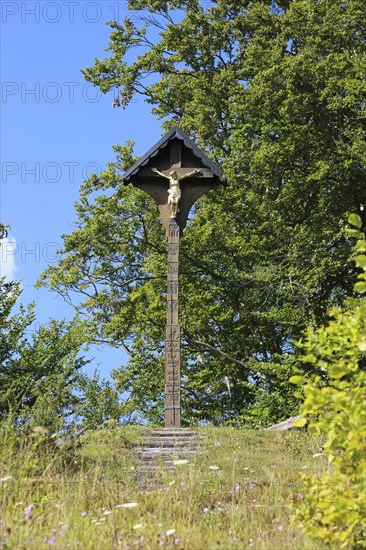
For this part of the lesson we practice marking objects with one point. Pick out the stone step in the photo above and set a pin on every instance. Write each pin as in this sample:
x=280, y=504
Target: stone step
x=161, y=447
x=151, y=457
x=164, y=442
x=168, y=432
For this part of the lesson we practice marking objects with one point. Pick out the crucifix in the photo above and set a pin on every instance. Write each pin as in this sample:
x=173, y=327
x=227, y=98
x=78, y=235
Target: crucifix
x=175, y=172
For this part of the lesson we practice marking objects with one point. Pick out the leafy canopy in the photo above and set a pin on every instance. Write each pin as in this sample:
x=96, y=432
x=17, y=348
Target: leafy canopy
x=274, y=92
x=334, y=509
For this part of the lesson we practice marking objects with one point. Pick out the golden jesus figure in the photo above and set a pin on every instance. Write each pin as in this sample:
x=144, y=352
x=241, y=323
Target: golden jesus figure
x=174, y=191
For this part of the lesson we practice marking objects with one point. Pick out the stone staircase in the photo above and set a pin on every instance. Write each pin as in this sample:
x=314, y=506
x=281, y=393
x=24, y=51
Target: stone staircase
x=162, y=450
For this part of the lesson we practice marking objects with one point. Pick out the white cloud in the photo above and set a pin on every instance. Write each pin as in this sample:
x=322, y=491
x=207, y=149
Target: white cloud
x=8, y=249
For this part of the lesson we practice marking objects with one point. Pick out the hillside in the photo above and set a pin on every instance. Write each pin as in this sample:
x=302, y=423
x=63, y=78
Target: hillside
x=236, y=492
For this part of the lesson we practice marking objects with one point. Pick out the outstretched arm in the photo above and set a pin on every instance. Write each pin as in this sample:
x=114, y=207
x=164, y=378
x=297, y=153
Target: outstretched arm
x=160, y=173
x=190, y=174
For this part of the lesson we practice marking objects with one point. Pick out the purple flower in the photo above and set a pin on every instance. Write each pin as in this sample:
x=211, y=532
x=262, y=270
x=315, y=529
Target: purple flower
x=237, y=486
x=231, y=491
x=236, y=460
x=28, y=511
x=176, y=541
x=83, y=514
x=252, y=485
x=233, y=539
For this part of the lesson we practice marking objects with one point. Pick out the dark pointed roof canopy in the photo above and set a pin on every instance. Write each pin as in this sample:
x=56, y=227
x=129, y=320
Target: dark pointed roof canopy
x=175, y=133
x=174, y=152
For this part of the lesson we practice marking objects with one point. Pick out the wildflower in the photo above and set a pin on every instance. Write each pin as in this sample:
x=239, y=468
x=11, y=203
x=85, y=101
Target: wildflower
x=252, y=485
x=170, y=532
x=280, y=528
x=98, y=523
x=137, y=526
x=231, y=492
x=236, y=460
x=176, y=541
x=180, y=462
x=83, y=514
x=265, y=533
x=28, y=512
x=6, y=478
x=106, y=512
x=233, y=539
x=250, y=542
x=206, y=510
x=127, y=505
x=214, y=467
x=237, y=486
x=217, y=444
x=40, y=430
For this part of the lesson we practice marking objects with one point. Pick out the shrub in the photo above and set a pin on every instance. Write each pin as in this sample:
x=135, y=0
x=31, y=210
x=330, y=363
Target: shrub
x=334, y=504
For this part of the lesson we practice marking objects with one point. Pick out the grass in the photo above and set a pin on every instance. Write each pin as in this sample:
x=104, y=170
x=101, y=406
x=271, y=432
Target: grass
x=235, y=493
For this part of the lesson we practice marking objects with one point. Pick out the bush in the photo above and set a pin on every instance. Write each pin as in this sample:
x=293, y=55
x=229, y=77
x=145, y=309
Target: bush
x=334, y=504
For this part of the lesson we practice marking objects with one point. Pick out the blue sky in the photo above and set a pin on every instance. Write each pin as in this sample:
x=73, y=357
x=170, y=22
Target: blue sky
x=55, y=130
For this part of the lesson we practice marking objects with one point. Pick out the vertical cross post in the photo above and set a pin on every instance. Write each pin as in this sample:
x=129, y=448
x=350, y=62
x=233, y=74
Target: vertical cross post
x=172, y=333
x=174, y=158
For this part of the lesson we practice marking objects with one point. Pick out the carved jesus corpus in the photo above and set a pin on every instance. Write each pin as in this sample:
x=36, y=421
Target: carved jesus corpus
x=174, y=191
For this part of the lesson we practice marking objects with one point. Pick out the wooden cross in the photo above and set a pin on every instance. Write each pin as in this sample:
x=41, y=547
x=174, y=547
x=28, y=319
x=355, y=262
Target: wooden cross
x=175, y=172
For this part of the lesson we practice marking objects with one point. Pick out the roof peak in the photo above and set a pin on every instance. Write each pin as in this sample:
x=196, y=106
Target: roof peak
x=175, y=132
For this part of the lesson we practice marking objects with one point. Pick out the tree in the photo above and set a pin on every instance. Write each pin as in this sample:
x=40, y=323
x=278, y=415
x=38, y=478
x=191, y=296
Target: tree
x=100, y=402
x=333, y=505
x=39, y=375
x=274, y=91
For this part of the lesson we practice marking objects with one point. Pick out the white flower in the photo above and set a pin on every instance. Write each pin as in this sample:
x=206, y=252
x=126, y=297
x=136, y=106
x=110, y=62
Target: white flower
x=180, y=462
x=106, y=512
x=127, y=505
x=7, y=478
x=137, y=526
x=214, y=467
x=170, y=532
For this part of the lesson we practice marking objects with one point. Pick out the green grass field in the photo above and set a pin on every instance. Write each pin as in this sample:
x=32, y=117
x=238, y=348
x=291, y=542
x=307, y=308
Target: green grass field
x=236, y=492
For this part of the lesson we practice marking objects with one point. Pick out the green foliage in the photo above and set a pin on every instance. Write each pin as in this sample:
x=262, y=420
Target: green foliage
x=100, y=402
x=3, y=231
x=274, y=92
x=334, y=507
x=38, y=373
